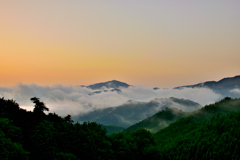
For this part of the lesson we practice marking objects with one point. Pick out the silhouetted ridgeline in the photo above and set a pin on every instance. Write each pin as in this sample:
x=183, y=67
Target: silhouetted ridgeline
x=212, y=132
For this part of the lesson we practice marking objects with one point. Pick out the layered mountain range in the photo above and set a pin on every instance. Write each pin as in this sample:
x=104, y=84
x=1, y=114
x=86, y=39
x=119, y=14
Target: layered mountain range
x=132, y=111
x=160, y=112
x=229, y=86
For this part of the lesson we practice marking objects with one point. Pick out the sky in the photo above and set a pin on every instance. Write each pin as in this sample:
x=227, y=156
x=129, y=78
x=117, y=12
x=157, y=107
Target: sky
x=156, y=43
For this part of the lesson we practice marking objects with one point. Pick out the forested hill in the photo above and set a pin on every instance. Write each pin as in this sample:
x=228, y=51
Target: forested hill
x=167, y=116
x=212, y=132
x=159, y=120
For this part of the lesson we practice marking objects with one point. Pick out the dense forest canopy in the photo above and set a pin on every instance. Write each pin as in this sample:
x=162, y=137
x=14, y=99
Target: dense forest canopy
x=208, y=133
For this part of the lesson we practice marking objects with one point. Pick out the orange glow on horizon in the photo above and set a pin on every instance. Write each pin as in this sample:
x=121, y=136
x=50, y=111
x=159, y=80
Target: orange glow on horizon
x=149, y=43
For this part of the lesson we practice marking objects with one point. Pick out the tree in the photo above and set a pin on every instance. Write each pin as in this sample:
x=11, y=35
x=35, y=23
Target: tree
x=39, y=106
x=68, y=119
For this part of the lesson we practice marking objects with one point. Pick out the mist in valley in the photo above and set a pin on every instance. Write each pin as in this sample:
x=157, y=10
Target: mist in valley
x=78, y=100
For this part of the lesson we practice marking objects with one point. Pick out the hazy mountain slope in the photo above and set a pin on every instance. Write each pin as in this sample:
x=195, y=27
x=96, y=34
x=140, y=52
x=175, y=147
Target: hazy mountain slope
x=133, y=111
x=165, y=117
x=110, y=84
x=202, y=136
x=225, y=86
x=159, y=120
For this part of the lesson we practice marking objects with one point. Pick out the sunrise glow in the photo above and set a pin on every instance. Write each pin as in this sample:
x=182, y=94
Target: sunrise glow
x=153, y=43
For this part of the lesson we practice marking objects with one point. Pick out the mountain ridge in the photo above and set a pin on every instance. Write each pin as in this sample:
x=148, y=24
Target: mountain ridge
x=109, y=84
x=227, y=82
x=225, y=86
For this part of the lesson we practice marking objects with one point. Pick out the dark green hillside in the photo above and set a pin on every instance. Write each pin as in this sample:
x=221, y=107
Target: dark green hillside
x=209, y=133
x=159, y=120
x=225, y=106
x=112, y=129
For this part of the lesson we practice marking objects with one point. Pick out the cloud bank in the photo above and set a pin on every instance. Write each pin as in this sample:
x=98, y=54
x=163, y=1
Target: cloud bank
x=75, y=100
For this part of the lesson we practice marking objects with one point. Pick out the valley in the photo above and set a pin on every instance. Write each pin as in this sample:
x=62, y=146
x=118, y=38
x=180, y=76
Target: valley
x=162, y=128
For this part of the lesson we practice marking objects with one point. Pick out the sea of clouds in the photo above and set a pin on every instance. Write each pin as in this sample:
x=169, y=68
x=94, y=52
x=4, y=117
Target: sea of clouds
x=75, y=100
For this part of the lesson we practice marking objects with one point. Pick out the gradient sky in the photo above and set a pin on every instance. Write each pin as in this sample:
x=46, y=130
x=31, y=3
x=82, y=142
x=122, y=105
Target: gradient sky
x=155, y=42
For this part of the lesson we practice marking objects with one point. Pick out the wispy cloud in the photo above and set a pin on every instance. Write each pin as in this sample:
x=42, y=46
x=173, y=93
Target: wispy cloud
x=236, y=91
x=74, y=100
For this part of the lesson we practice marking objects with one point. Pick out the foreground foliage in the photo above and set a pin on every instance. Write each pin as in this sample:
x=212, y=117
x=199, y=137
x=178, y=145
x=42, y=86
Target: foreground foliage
x=212, y=132
x=35, y=135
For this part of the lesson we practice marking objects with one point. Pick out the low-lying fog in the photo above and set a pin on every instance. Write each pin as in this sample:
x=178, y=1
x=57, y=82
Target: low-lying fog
x=74, y=100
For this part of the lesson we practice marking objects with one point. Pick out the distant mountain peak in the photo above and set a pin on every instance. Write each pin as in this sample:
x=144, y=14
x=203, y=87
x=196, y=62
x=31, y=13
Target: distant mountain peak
x=109, y=84
x=114, y=81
